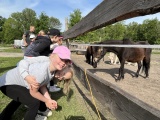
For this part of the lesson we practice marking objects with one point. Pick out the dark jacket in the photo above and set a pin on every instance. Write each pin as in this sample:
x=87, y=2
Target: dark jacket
x=27, y=34
x=40, y=47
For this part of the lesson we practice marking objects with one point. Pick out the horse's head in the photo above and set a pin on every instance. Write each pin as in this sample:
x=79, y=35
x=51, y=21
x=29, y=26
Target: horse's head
x=97, y=54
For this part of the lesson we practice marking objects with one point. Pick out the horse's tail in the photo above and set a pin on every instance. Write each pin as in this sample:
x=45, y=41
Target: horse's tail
x=146, y=61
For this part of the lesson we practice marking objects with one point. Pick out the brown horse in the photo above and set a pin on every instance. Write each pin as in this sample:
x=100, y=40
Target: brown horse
x=125, y=54
x=88, y=55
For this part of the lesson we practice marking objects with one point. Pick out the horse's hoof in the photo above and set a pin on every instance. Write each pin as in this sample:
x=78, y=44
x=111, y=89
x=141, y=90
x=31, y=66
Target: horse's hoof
x=146, y=77
x=118, y=79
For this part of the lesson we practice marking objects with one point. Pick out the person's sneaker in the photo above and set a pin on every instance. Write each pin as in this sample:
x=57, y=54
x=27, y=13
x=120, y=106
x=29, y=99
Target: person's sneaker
x=40, y=117
x=45, y=113
x=54, y=89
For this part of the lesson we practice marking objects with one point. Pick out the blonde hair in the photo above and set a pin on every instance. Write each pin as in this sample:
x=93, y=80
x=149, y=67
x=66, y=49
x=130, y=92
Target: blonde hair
x=41, y=33
x=32, y=28
x=66, y=82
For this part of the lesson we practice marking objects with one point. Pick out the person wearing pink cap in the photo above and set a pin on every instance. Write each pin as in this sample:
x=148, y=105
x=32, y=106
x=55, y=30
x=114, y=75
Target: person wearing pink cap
x=41, y=47
x=14, y=84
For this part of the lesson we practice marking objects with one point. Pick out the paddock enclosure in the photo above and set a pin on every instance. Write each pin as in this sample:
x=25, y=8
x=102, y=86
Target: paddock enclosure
x=131, y=98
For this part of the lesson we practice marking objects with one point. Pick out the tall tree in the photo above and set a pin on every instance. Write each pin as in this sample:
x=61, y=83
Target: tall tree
x=132, y=31
x=75, y=17
x=116, y=31
x=2, y=21
x=10, y=31
x=28, y=17
x=42, y=22
x=54, y=23
x=151, y=30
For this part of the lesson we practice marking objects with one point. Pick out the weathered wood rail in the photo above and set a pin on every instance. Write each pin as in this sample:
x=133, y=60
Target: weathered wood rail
x=121, y=104
x=112, y=11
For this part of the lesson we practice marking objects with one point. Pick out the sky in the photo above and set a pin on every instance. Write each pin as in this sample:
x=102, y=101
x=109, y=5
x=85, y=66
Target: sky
x=58, y=8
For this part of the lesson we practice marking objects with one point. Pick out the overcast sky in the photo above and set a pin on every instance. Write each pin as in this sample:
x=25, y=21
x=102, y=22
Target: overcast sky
x=57, y=8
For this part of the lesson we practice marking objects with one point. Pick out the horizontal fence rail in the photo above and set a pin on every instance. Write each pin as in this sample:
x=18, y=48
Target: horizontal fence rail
x=111, y=45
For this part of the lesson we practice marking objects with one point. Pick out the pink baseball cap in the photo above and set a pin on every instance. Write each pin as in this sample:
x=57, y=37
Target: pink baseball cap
x=63, y=52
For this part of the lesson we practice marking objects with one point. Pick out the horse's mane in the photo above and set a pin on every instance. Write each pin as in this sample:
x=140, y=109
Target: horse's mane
x=129, y=41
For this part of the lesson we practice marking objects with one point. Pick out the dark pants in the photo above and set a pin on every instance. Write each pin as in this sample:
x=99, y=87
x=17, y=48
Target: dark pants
x=51, y=83
x=20, y=95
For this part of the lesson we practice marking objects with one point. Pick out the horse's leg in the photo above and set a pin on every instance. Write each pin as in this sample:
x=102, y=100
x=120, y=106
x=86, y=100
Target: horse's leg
x=121, y=70
x=146, y=67
x=139, y=67
x=92, y=60
x=88, y=59
x=147, y=70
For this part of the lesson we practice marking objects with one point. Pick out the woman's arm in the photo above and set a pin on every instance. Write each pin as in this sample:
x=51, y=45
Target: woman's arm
x=44, y=91
x=51, y=104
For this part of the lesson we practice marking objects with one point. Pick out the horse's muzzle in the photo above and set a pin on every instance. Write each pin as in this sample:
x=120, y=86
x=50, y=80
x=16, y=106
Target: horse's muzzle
x=94, y=64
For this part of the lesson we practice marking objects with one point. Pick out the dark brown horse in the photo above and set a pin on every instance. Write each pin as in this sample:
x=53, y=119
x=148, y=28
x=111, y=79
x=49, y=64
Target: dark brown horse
x=125, y=54
x=88, y=55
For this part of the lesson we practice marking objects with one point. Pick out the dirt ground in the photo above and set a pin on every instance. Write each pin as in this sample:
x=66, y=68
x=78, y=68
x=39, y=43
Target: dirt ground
x=147, y=90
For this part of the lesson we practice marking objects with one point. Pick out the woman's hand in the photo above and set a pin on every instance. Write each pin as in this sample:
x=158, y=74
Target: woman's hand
x=31, y=80
x=51, y=104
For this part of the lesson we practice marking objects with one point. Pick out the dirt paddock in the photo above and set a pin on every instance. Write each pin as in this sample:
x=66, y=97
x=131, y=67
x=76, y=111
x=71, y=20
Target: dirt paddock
x=147, y=90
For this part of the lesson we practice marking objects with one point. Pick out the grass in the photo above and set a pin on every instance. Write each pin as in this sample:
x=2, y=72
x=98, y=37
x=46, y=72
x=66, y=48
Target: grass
x=71, y=107
x=11, y=49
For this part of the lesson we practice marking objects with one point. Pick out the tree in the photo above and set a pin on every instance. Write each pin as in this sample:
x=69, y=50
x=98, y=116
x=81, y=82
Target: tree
x=45, y=22
x=28, y=17
x=54, y=23
x=2, y=21
x=42, y=23
x=151, y=30
x=115, y=31
x=75, y=17
x=132, y=31
x=10, y=31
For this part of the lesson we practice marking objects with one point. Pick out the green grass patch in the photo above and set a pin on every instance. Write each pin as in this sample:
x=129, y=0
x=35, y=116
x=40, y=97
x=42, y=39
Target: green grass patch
x=6, y=45
x=7, y=63
x=155, y=52
x=10, y=49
